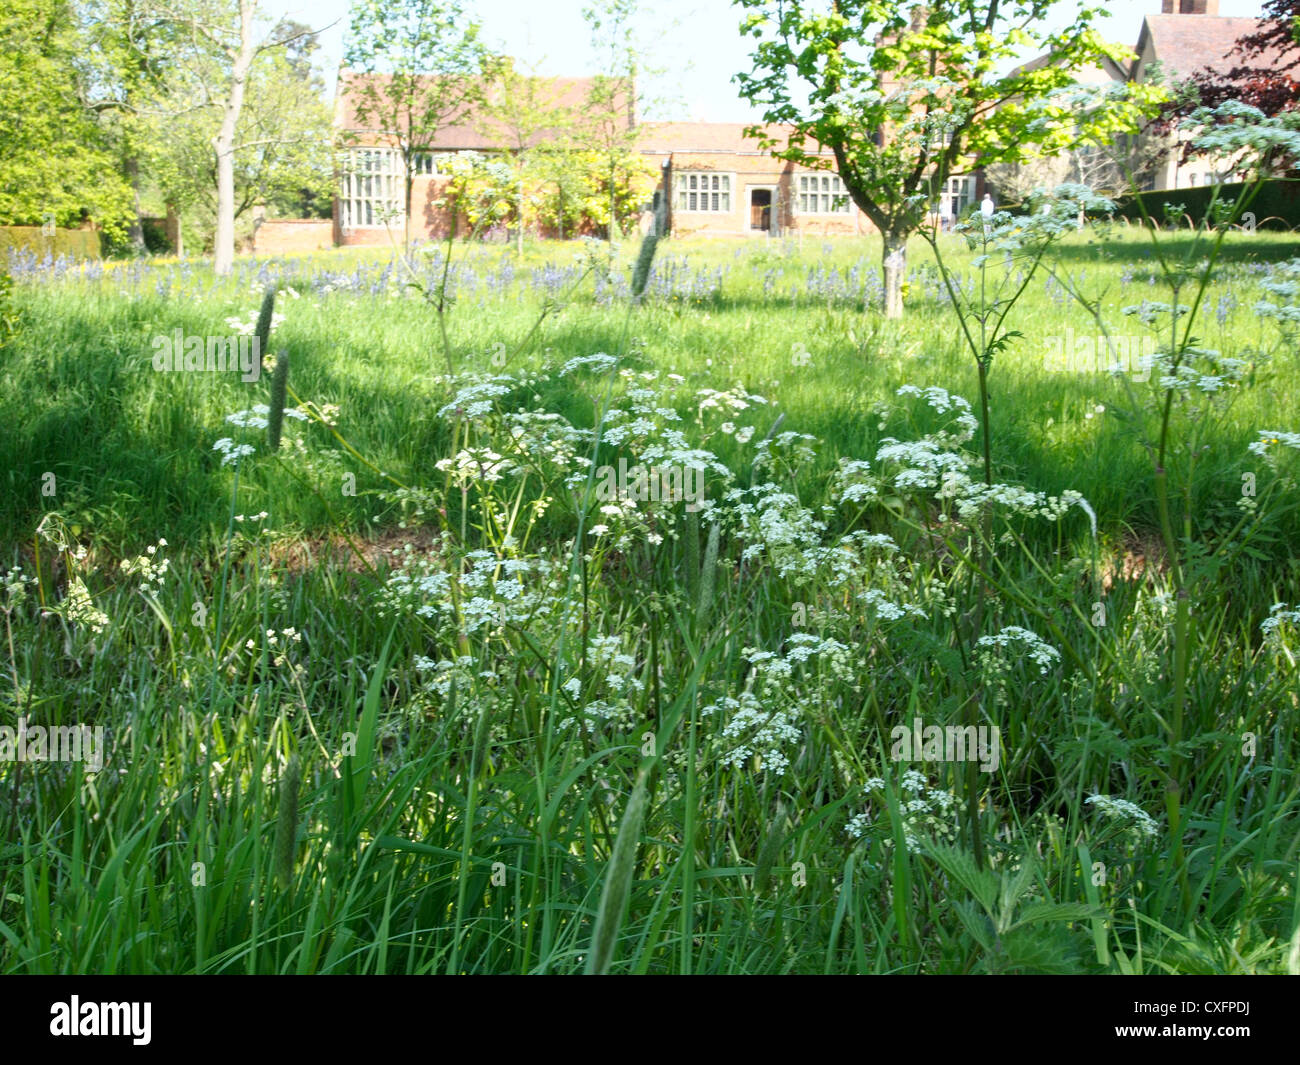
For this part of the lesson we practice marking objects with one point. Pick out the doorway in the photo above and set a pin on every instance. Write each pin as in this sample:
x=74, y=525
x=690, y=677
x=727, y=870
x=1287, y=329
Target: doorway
x=760, y=210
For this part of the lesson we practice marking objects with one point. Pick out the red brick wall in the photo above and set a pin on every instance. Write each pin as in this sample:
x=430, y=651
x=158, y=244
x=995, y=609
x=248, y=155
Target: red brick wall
x=752, y=171
x=280, y=236
x=428, y=221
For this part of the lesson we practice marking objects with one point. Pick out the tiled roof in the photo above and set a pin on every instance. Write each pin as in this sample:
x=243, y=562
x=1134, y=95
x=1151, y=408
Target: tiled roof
x=462, y=131
x=688, y=137
x=1185, y=44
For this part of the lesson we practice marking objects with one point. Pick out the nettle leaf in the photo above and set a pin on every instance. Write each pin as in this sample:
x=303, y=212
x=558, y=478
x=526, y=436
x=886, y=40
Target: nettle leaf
x=960, y=865
x=1044, y=912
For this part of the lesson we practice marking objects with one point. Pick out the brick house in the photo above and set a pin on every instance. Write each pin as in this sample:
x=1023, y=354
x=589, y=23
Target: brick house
x=720, y=183
x=371, y=179
x=1187, y=37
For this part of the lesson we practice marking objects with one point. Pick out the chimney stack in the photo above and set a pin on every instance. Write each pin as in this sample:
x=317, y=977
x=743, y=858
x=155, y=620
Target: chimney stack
x=1189, y=7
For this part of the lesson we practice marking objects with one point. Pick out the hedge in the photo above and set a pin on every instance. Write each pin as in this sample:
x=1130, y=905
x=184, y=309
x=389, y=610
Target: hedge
x=74, y=243
x=1275, y=206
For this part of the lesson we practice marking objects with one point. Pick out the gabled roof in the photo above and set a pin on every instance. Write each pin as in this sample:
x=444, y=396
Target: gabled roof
x=1186, y=44
x=709, y=137
x=1108, y=69
x=464, y=131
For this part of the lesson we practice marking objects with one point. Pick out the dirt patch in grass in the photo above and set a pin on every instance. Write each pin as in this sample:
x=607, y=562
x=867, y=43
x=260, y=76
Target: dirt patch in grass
x=383, y=550
x=1140, y=558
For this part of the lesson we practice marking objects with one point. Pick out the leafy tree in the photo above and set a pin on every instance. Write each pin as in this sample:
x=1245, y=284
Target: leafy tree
x=563, y=189
x=414, y=67
x=522, y=113
x=127, y=56
x=56, y=163
x=281, y=157
x=573, y=191
x=906, y=93
x=608, y=129
x=231, y=91
x=480, y=190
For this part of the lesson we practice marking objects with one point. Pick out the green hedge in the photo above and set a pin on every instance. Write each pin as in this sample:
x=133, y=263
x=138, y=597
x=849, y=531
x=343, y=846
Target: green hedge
x=1275, y=206
x=74, y=243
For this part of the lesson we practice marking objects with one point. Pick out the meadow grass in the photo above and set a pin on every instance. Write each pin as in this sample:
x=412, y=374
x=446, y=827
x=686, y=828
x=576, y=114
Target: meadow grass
x=402, y=724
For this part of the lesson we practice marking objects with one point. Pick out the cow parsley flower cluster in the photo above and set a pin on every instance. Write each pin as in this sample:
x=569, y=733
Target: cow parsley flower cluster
x=475, y=465
x=732, y=401
x=80, y=609
x=998, y=650
x=1130, y=815
x=777, y=528
x=785, y=451
x=258, y=416
x=247, y=326
x=926, y=813
x=1150, y=312
x=487, y=599
x=1281, y=621
x=598, y=362
x=15, y=586
x=148, y=567
x=231, y=452
x=1270, y=440
x=765, y=719
x=477, y=399
x=938, y=463
x=1202, y=370
x=606, y=698
x=941, y=401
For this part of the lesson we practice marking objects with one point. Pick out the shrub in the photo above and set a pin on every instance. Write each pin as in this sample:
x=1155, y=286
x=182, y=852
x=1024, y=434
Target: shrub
x=74, y=243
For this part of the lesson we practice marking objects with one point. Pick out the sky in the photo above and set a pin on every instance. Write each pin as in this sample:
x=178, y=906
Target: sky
x=696, y=43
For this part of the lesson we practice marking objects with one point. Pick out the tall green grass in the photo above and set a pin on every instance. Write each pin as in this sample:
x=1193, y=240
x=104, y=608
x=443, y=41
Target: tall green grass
x=276, y=804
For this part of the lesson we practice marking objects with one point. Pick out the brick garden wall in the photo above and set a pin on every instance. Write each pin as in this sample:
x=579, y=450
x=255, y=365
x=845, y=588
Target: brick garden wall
x=281, y=236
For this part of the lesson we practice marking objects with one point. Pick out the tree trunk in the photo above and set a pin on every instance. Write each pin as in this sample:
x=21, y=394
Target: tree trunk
x=406, y=221
x=406, y=147
x=223, y=252
x=894, y=262
x=520, y=219
x=174, y=227
x=135, y=229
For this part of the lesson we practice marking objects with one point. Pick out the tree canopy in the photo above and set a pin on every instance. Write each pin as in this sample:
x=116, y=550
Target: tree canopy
x=907, y=94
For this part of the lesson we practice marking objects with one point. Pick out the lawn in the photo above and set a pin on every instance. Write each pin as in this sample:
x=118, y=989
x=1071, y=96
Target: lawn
x=409, y=693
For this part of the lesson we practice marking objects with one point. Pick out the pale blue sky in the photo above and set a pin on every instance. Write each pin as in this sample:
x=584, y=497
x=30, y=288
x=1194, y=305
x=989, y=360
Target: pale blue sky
x=695, y=41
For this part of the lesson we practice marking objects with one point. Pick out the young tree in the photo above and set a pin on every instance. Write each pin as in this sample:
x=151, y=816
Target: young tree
x=1112, y=170
x=608, y=128
x=521, y=111
x=414, y=67
x=152, y=100
x=905, y=93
